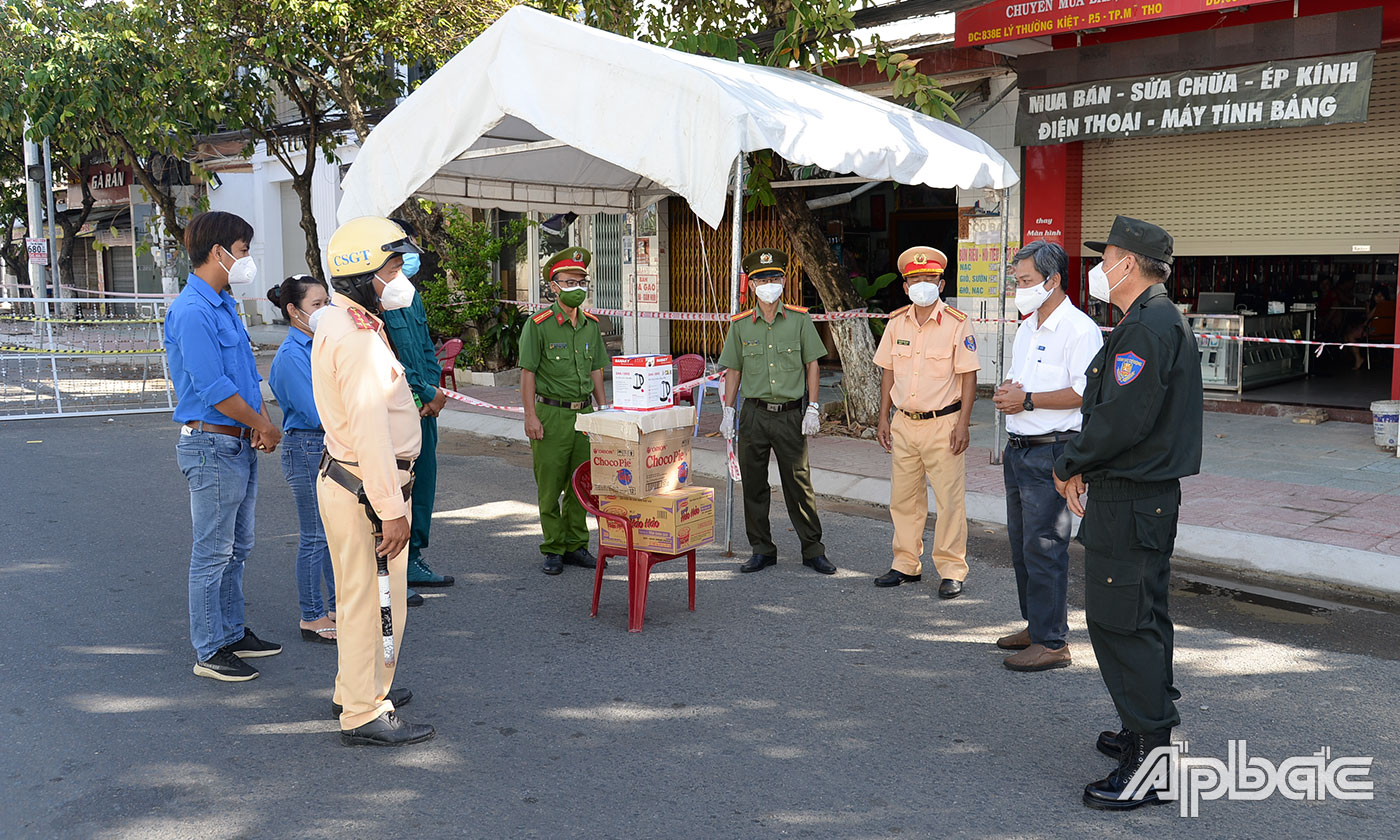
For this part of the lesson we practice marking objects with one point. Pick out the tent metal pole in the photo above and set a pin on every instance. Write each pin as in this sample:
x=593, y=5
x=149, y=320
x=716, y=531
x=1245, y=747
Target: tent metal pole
x=736, y=240
x=636, y=233
x=1000, y=422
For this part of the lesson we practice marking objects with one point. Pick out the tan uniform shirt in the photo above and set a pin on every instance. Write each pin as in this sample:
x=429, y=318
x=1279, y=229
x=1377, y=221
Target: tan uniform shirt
x=365, y=403
x=926, y=359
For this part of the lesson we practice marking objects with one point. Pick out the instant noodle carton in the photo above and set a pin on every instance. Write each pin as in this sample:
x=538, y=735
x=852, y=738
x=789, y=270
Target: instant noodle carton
x=638, y=454
x=669, y=523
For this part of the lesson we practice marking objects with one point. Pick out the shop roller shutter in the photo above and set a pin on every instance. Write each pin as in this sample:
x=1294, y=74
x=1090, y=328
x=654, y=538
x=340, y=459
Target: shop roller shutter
x=1318, y=190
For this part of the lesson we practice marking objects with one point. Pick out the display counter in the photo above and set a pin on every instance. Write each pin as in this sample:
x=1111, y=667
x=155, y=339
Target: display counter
x=1228, y=364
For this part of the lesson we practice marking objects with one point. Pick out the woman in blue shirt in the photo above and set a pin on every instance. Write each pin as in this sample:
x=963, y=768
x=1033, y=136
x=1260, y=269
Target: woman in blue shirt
x=299, y=297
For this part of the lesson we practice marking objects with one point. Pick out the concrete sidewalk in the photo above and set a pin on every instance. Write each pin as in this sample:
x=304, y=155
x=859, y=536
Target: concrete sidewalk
x=1316, y=503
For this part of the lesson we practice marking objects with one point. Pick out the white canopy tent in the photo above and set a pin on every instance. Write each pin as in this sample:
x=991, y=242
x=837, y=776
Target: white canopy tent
x=539, y=113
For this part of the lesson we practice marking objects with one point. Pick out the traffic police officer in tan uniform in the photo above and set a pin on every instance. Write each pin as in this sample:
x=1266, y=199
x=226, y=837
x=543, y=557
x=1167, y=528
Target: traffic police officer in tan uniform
x=372, y=438
x=1142, y=433
x=928, y=357
x=771, y=353
x=561, y=376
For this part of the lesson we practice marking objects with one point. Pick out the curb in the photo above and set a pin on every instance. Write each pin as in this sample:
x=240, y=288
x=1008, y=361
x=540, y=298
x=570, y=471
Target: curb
x=1256, y=553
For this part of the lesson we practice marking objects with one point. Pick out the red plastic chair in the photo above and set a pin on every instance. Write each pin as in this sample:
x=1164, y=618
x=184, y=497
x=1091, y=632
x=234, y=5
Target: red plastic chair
x=688, y=367
x=447, y=357
x=639, y=561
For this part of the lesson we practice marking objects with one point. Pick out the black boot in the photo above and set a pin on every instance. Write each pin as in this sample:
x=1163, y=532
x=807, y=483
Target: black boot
x=1111, y=743
x=1106, y=794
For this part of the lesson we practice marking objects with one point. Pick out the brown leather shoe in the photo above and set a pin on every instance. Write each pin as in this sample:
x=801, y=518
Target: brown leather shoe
x=1019, y=640
x=1038, y=658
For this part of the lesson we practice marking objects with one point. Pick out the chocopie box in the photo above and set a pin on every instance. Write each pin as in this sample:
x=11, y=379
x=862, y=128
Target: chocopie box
x=669, y=522
x=635, y=454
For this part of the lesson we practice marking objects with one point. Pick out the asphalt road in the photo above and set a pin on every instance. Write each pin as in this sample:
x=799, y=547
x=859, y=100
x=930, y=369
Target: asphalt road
x=787, y=705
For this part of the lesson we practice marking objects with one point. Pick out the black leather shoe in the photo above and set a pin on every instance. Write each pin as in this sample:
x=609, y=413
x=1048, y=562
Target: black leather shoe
x=414, y=599
x=950, y=588
x=895, y=577
x=553, y=564
x=398, y=696
x=1110, y=792
x=1111, y=743
x=820, y=564
x=387, y=730
x=580, y=557
x=758, y=563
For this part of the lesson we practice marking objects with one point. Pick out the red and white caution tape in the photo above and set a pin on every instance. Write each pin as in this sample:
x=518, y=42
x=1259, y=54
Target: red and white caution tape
x=463, y=398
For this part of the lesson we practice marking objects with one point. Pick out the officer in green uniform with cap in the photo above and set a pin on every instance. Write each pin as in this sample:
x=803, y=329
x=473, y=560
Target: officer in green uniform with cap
x=771, y=353
x=407, y=330
x=1141, y=435
x=561, y=361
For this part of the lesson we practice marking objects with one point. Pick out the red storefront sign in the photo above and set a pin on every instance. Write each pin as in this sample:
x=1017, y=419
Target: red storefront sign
x=109, y=184
x=1012, y=20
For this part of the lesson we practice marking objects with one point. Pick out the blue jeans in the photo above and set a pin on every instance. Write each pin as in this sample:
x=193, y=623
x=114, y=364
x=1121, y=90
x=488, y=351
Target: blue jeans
x=1038, y=521
x=301, y=456
x=223, y=476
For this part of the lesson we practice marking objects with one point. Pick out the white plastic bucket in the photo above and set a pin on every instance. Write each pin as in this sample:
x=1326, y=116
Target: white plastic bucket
x=1385, y=420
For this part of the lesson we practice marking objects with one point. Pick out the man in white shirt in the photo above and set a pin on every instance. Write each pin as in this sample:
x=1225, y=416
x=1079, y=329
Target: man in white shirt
x=1041, y=399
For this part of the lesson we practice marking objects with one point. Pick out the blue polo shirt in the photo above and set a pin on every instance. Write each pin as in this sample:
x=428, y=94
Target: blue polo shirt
x=210, y=356
x=290, y=379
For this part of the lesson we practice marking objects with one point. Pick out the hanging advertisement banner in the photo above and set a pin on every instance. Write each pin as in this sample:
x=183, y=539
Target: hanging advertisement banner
x=1274, y=94
x=980, y=258
x=1011, y=20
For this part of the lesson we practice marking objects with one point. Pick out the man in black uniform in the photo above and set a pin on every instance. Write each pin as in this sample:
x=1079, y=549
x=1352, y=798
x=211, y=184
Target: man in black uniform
x=1142, y=433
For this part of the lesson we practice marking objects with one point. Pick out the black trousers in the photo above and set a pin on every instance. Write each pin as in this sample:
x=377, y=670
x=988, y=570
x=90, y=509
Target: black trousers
x=1128, y=533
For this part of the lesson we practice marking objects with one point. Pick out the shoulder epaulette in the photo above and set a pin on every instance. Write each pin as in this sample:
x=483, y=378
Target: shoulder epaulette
x=542, y=316
x=589, y=315
x=361, y=320
x=792, y=308
x=900, y=311
x=961, y=316
x=739, y=316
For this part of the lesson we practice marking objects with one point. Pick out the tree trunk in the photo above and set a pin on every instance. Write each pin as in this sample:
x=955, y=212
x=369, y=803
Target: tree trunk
x=301, y=185
x=855, y=344
x=70, y=234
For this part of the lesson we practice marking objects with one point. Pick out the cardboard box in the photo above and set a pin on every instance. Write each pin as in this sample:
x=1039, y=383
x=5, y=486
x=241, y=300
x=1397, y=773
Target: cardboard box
x=666, y=522
x=641, y=383
x=638, y=454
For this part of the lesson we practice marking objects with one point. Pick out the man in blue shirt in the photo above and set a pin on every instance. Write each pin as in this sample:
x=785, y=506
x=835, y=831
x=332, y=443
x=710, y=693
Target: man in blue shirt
x=223, y=421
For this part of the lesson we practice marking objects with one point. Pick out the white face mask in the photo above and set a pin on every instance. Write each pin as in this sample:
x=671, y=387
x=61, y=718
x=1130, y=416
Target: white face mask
x=923, y=293
x=398, y=293
x=1029, y=299
x=769, y=292
x=315, y=317
x=1098, y=281
x=243, y=271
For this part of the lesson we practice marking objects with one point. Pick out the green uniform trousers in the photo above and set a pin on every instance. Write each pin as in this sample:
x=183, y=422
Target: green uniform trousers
x=424, y=489
x=556, y=457
x=1128, y=533
x=762, y=431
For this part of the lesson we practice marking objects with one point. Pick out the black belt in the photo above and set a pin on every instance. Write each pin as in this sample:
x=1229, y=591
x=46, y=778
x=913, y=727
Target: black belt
x=572, y=406
x=777, y=407
x=335, y=471
x=307, y=432
x=1027, y=441
x=925, y=415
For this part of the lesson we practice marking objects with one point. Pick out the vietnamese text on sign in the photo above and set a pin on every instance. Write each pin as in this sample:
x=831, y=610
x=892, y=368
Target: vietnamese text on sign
x=1012, y=20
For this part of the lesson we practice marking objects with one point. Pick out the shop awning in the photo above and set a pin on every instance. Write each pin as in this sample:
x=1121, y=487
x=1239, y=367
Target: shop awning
x=541, y=113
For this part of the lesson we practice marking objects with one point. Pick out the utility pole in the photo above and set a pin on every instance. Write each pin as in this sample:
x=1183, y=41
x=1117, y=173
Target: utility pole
x=33, y=171
x=53, y=224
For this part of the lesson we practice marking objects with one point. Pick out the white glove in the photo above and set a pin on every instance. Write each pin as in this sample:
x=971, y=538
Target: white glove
x=811, y=421
x=726, y=426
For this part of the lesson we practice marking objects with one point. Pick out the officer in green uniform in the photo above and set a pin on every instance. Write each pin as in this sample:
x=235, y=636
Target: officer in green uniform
x=561, y=361
x=771, y=354
x=1142, y=433
x=407, y=330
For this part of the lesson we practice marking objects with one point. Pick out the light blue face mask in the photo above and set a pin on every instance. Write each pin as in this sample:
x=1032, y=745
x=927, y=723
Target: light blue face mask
x=411, y=264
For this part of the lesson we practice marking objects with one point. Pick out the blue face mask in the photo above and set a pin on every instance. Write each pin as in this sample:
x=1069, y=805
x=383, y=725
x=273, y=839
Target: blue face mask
x=411, y=263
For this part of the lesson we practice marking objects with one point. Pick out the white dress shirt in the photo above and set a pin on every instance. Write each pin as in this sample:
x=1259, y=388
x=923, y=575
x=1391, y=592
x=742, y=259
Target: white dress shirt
x=1050, y=357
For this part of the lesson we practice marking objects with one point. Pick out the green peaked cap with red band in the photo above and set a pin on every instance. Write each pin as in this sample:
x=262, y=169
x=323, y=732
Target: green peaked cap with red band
x=569, y=259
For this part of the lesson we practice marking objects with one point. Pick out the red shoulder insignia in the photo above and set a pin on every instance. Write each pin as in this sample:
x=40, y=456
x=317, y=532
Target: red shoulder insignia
x=961, y=316
x=741, y=315
x=900, y=311
x=541, y=317
x=362, y=320
x=792, y=308
x=589, y=315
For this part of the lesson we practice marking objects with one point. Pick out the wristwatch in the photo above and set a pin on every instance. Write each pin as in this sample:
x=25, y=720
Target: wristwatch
x=1027, y=404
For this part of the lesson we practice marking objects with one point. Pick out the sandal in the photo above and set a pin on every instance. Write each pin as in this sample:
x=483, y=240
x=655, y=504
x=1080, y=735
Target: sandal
x=319, y=635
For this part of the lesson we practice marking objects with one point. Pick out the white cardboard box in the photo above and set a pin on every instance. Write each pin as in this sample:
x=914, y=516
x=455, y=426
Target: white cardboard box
x=641, y=383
